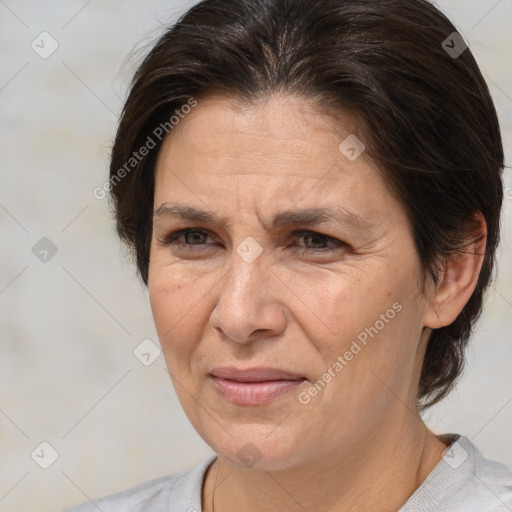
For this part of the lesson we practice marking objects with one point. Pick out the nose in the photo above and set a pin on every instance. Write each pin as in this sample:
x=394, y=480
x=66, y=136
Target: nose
x=250, y=303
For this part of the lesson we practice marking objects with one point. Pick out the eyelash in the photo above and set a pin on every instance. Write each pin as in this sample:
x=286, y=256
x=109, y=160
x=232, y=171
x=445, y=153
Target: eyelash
x=171, y=239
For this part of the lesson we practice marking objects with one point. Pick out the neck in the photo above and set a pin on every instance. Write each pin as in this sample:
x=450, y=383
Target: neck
x=379, y=472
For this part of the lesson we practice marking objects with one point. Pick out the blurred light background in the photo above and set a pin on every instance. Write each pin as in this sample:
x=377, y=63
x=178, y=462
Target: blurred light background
x=69, y=325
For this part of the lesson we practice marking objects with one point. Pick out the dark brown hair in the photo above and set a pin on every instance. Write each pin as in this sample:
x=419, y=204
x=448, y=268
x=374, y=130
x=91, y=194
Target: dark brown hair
x=425, y=111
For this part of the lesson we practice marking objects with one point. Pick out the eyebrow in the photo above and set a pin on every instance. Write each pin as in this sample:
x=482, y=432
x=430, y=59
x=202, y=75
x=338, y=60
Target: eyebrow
x=308, y=216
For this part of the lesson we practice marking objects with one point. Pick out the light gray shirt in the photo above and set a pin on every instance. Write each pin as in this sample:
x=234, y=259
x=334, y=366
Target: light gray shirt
x=463, y=481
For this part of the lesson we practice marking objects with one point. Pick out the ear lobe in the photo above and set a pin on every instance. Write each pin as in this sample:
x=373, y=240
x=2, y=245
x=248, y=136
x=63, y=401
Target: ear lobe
x=458, y=280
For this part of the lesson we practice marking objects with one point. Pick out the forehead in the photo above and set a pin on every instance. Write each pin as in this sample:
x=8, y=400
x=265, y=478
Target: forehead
x=274, y=115
x=279, y=129
x=280, y=150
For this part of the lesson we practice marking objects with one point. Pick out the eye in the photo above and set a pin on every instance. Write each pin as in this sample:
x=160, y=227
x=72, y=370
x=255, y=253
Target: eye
x=318, y=238
x=190, y=235
x=193, y=239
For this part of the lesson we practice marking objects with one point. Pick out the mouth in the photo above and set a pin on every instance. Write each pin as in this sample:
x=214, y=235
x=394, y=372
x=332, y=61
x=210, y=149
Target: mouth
x=254, y=386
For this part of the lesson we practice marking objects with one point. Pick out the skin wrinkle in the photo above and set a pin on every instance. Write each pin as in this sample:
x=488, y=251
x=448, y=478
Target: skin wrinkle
x=291, y=310
x=361, y=248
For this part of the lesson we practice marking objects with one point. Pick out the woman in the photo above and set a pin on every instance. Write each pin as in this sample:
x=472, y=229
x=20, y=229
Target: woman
x=312, y=193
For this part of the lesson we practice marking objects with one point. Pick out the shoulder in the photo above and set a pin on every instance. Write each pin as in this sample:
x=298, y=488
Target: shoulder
x=492, y=482
x=177, y=491
x=464, y=481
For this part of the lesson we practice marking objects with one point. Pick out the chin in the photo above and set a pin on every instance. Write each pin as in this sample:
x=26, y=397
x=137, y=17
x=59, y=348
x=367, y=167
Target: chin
x=258, y=450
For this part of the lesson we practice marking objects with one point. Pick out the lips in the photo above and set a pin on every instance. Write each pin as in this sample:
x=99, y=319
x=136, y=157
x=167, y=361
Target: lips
x=254, y=386
x=255, y=374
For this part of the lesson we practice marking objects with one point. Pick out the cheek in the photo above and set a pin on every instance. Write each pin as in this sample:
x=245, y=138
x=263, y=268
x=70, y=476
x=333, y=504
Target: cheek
x=371, y=319
x=176, y=304
x=341, y=305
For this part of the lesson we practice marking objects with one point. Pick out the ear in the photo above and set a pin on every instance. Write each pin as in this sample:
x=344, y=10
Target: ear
x=458, y=280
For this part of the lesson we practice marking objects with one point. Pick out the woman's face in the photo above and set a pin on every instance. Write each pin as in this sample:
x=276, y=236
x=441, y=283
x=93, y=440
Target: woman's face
x=335, y=302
